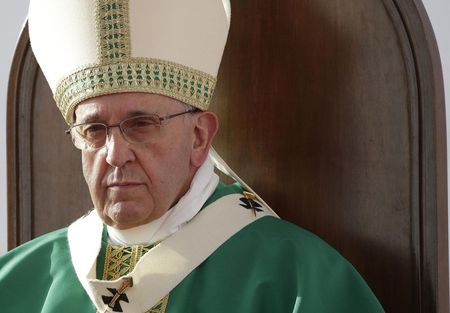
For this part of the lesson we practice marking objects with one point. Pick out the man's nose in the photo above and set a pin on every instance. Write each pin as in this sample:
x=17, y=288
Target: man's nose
x=118, y=150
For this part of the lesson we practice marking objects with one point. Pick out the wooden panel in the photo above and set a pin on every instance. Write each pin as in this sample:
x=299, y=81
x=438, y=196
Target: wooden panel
x=46, y=189
x=321, y=119
x=331, y=109
x=56, y=166
x=325, y=113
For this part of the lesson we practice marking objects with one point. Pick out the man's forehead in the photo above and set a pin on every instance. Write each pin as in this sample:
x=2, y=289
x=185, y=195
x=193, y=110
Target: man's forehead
x=124, y=105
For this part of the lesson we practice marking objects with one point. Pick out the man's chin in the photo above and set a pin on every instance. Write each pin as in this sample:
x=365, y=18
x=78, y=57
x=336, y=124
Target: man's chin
x=124, y=215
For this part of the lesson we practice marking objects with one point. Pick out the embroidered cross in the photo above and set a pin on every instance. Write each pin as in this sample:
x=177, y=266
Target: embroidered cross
x=249, y=202
x=118, y=295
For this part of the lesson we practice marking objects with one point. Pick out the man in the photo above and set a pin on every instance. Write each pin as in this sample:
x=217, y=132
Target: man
x=133, y=79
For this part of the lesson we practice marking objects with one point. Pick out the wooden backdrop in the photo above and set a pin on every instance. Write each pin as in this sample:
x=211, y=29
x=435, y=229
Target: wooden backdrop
x=332, y=110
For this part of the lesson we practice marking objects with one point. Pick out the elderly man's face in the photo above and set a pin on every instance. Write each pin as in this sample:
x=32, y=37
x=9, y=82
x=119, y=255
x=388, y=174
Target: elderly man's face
x=133, y=184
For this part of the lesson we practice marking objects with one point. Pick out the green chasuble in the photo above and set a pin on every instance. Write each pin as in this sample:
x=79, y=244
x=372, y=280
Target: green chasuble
x=268, y=266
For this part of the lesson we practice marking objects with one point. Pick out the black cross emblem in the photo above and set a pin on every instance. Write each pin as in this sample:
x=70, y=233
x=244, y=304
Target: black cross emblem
x=118, y=295
x=250, y=203
x=115, y=305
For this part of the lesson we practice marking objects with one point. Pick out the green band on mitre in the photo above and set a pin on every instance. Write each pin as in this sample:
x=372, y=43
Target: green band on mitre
x=138, y=75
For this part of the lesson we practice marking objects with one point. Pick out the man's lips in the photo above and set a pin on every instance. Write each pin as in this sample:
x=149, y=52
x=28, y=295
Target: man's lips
x=123, y=185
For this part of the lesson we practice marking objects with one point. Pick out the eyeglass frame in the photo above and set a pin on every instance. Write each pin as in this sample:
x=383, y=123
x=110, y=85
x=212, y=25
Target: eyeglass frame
x=122, y=132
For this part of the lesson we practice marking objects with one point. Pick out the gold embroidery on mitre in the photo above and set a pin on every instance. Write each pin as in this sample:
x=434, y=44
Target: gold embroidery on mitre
x=113, y=30
x=121, y=260
x=119, y=72
x=139, y=75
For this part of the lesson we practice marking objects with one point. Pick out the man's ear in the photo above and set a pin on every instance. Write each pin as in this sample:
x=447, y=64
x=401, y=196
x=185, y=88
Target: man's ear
x=205, y=128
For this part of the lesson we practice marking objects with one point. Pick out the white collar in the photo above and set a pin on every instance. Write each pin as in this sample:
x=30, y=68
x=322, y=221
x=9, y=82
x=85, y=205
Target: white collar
x=202, y=186
x=167, y=264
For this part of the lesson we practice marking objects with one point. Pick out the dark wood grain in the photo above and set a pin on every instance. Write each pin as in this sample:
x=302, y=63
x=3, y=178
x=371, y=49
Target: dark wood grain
x=332, y=110
x=316, y=116
x=46, y=190
x=433, y=159
x=19, y=115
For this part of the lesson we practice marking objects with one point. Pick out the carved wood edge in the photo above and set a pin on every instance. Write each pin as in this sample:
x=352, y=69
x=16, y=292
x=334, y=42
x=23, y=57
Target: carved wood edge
x=414, y=130
x=432, y=222
x=19, y=105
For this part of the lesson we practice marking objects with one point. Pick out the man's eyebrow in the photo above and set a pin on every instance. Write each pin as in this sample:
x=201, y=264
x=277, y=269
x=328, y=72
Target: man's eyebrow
x=95, y=117
x=89, y=118
x=138, y=113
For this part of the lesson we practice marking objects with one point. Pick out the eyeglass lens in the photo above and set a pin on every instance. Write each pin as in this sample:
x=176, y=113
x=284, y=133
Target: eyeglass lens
x=140, y=129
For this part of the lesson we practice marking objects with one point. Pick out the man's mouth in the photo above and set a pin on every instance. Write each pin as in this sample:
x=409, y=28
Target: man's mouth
x=123, y=185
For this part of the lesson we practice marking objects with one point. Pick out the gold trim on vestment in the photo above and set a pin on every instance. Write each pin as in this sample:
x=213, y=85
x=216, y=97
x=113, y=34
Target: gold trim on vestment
x=160, y=307
x=120, y=261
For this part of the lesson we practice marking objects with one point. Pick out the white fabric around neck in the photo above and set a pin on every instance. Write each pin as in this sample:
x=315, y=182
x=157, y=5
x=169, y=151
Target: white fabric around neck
x=168, y=263
x=202, y=186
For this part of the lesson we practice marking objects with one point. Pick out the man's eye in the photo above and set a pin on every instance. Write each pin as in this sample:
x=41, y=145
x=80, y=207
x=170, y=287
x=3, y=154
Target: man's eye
x=90, y=131
x=141, y=122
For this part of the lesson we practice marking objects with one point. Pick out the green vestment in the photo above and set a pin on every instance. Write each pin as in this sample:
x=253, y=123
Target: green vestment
x=268, y=266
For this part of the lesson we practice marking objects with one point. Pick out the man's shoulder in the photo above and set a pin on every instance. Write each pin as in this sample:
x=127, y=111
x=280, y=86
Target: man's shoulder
x=274, y=228
x=41, y=272
x=279, y=235
x=43, y=244
x=297, y=262
x=270, y=231
x=276, y=259
x=223, y=190
x=36, y=258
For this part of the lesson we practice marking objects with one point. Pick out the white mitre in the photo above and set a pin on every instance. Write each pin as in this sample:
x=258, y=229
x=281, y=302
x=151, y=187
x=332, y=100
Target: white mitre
x=88, y=48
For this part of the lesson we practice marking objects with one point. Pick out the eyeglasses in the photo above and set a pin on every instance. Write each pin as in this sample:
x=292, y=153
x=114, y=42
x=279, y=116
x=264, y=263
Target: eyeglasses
x=136, y=130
